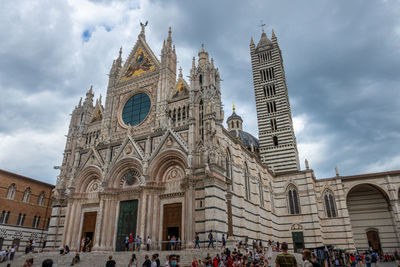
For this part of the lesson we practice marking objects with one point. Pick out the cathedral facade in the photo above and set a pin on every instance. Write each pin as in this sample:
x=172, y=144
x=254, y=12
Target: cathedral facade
x=157, y=160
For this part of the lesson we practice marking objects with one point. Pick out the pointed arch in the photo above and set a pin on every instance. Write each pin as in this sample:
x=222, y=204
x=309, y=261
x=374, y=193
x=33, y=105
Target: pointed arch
x=293, y=199
x=27, y=195
x=86, y=176
x=11, y=191
x=41, y=199
x=260, y=185
x=247, y=181
x=162, y=163
x=329, y=203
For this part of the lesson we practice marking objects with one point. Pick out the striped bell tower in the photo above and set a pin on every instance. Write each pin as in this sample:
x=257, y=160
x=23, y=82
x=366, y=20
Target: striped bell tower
x=278, y=148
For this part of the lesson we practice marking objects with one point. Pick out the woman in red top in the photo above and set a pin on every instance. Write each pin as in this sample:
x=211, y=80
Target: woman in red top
x=130, y=242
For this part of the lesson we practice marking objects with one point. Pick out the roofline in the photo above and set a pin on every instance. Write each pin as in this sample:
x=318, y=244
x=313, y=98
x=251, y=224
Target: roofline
x=365, y=175
x=26, y=178
x=237, y=141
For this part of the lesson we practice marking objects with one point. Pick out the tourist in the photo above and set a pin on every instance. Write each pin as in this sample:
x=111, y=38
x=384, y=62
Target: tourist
x=208, y=260
x=167, y=261
x=194, y=262
x=28, y=263
x=174, y=261
x=126, y=243
x=110, y=262
x=147, y=262
x=307, y=258
x=47, y=263
x=269, y=249
x=33, y=244
x=211, y=239
x=137, y=243
x=131, y=248
x=368, y=259
x=76, y=259
x=133, y=261
x=157, y=259
x=153, y=261
x=173, y=239
x=314, y=260
x=197, y=240
x=148, y=243
x=223, y=241
x=88, y=243
x=12, y=253
x=83, y=244
x=285, y=259
x=374, y=258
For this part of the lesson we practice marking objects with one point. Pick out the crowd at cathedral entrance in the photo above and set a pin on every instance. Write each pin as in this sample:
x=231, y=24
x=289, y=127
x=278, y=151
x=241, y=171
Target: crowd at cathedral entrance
x=157, y=161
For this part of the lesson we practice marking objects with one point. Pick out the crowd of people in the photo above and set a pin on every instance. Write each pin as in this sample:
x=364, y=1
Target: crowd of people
x=244, y=255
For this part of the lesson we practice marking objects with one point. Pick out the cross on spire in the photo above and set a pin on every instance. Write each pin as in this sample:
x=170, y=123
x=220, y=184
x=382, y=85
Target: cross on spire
x=262, y=24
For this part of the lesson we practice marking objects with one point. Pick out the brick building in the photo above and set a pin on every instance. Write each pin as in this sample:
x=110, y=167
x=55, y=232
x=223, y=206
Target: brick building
x=25, y=209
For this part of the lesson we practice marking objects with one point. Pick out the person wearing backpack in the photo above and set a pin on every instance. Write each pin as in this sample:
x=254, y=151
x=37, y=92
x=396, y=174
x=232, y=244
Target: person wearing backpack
x=368, y=259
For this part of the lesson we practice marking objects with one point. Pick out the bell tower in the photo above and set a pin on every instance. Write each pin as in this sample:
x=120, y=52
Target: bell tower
x=278, y=148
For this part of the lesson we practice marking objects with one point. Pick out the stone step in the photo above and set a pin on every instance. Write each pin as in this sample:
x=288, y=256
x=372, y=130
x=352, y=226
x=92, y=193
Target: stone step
x=94, y=259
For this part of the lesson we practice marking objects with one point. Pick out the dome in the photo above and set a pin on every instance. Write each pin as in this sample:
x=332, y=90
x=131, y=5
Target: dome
x=247, y=139
x=234, y=116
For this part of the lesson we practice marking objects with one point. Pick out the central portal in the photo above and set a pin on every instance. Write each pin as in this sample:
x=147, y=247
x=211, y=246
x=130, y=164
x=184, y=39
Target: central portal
x=172, y=225
x=88, y=228
x=126, y=222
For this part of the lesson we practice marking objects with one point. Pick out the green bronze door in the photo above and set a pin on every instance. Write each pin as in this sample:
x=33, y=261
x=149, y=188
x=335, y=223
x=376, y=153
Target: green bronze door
x=298, y=241
x=126, y=222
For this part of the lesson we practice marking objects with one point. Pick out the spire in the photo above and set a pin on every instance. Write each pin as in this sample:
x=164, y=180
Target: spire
x=119, y=59
x=180, y=72
x=89, y=97
x=337, y=171
x=251, y=41
x=273, y=38
x=80, y=102
x=169, y=39
x=264, y=41
x=193, y=63
x=203, y=55
x=212, y=62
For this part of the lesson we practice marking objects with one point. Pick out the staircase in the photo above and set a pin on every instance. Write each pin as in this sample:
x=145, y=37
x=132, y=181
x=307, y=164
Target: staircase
x=95, y=259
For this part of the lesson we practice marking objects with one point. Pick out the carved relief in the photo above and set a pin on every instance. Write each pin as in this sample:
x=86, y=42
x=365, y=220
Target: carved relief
x=93, y=186
x=130, y=179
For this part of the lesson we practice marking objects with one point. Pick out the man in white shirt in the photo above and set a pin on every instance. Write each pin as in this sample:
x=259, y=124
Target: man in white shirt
x=148, y=243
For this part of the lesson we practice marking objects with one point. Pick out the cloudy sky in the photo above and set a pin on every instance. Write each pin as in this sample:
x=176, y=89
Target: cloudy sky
x=342, y=61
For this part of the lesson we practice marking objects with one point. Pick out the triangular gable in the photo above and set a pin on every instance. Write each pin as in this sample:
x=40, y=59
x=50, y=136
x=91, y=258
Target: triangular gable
x=170, y=140
x=93, y=158
x=180, y=90
x=140, y=61
x=131, y=148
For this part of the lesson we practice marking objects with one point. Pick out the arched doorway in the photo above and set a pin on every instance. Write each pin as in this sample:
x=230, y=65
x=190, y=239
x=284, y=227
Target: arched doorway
x=371, y=218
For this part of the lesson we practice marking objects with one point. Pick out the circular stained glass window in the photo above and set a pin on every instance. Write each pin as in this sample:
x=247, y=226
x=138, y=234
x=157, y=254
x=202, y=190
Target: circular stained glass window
x=136, y=109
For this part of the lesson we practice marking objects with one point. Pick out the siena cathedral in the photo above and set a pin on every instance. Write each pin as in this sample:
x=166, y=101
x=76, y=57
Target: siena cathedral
x=159, y=160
